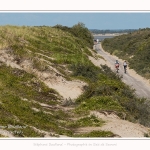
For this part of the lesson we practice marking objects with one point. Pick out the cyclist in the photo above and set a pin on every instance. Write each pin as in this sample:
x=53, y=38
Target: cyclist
x=117, y=65
x=125, y=66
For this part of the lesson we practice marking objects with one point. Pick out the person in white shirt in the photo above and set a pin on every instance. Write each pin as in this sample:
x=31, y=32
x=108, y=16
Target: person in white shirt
x=125, y=66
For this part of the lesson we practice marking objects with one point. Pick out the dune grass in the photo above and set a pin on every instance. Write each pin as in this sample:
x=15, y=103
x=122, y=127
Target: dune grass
x=22, y=92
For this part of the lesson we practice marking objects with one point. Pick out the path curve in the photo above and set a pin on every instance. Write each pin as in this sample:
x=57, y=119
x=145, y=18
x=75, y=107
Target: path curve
x=131, y=78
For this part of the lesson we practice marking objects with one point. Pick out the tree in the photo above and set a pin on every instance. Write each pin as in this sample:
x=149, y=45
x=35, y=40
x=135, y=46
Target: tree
x=79, y=30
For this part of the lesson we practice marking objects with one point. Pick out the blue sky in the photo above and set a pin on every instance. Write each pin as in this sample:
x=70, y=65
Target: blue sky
x=92, y=20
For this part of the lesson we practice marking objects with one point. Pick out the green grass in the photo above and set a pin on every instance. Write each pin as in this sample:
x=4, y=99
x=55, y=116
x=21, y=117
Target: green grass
x=99, y=103
x=24, y=43
x=26, y=86
x=89, y=121
x=65, y=50
x=94, y=134
x=14, y=110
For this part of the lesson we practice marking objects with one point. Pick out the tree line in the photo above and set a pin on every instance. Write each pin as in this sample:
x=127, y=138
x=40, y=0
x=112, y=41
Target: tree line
x=96, y=31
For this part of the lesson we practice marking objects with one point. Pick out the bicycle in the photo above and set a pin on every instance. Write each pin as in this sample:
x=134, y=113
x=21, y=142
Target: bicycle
x=125, y=66
x=117, y=66
x=125, y=69
x=117, y=69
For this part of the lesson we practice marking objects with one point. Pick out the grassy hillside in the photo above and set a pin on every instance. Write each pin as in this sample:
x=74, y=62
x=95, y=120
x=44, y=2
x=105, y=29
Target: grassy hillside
x=29, y=108
x=133, y=47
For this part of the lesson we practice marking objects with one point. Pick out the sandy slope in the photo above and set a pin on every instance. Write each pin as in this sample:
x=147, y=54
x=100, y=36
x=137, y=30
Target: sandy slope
x=121, y=128
x=73, y=89
x=67, y=89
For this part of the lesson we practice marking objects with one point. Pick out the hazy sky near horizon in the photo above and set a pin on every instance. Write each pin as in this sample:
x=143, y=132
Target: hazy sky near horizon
x=92, y=20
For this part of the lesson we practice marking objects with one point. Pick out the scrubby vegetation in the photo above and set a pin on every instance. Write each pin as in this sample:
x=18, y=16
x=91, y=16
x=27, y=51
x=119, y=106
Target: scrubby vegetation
x=79, y=30
x=96, y=134
x=22, y=93
x=133, y=47
x=107, y=93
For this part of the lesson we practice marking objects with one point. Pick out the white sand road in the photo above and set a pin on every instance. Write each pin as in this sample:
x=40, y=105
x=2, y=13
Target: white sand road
x=131, y=78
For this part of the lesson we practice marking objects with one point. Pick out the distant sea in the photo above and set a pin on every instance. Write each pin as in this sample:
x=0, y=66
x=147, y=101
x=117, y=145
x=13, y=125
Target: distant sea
x=101, y=37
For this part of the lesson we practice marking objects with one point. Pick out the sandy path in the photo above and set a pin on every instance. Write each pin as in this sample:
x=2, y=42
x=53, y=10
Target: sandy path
x=140, y=84
x=122, y=128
